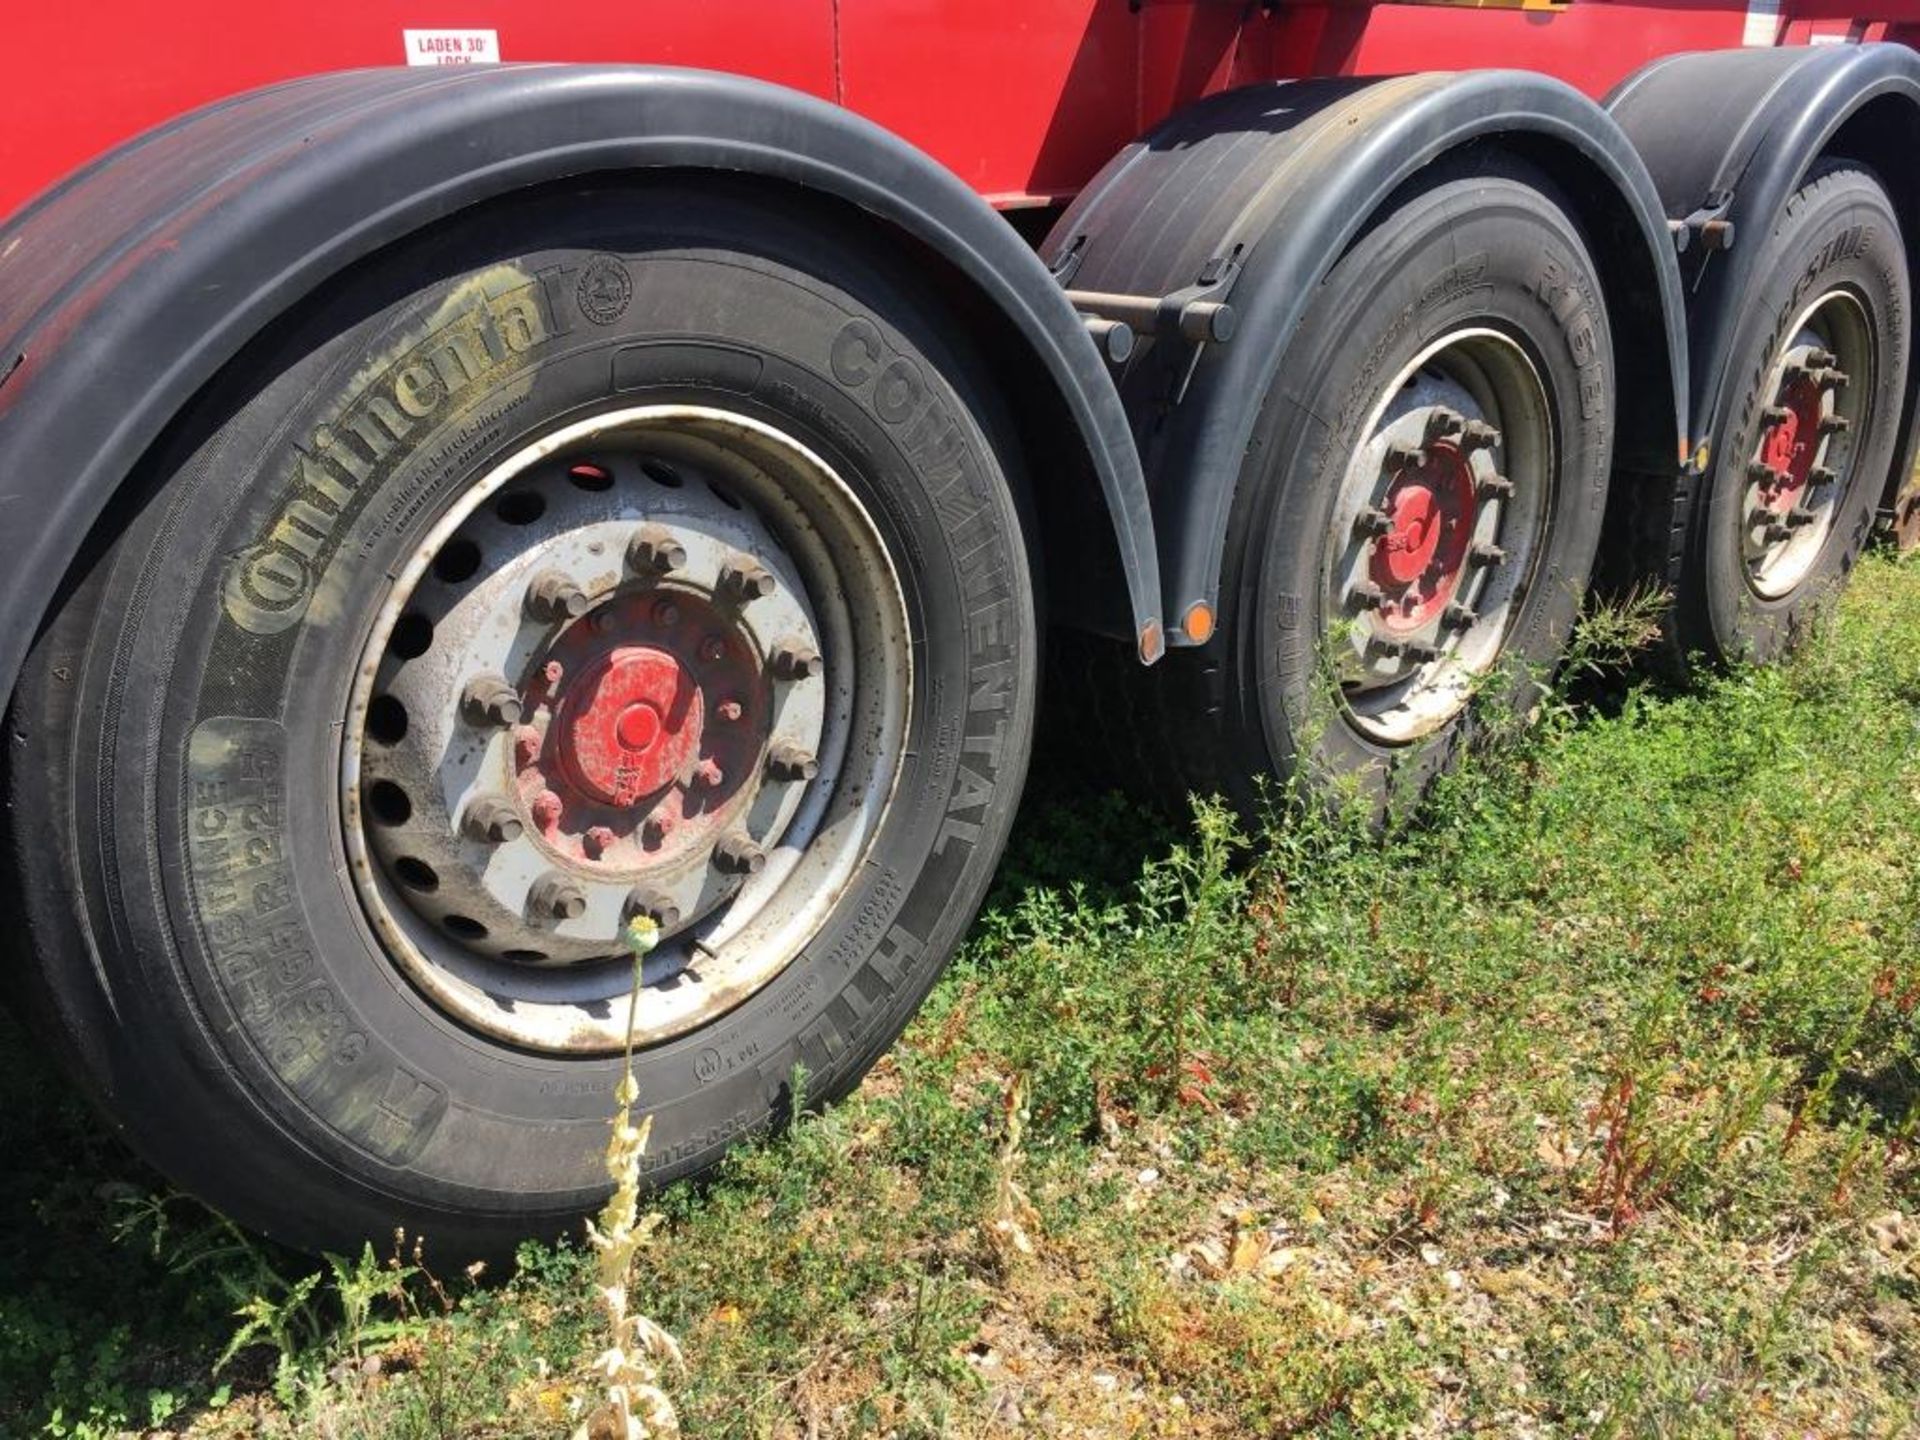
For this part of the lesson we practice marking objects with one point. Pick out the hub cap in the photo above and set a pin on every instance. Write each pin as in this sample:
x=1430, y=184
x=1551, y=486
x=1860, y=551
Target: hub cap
x=1435, y=531
x=656, y=664
x=1801, y=459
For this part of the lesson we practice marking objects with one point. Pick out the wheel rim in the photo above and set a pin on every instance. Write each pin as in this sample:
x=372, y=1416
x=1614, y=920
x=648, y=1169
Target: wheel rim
x=657, y=663
x=1798, y=468
x=1441, y=514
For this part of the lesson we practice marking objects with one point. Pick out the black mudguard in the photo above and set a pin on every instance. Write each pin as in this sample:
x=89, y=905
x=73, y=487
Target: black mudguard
x=1277, y=180
x=1729, y=135
x=125, y=288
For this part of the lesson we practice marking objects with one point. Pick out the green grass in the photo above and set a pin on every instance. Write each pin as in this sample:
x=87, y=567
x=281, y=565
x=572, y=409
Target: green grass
x=1584, y=1106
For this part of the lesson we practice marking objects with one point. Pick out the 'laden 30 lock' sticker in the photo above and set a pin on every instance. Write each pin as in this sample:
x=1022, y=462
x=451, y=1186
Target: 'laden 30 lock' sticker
x=452, y=47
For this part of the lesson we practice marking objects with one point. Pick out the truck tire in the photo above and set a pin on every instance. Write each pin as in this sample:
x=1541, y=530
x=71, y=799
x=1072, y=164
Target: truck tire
x=1416, y=517
x=619, y=552
x=1801, y=455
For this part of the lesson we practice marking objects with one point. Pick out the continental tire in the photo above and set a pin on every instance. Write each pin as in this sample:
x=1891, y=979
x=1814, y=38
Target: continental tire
x=1418, y=512
x=615, y=559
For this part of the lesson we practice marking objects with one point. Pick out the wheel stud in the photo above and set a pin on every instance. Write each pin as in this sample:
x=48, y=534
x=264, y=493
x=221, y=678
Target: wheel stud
x=792, y=660
x=729, y=710
x=1821, y=475
x=1402, y=456
x=1367, y=596
x=1478, y=435
x=492, y=821
x=1484, y=554
x=1419, y=652
x=707, y=774
x=666, y=614
x=1833, y=379
x=1444, y=424
x=1762, y=473
x=654, y=551
x=737, y=855
x=1799, y=517
x=490, y=700
x=1372, y=522
x=1459, y=617
x=786, y=762
x=1817, y=359
x=1835, y=424
x=555, y=897
x=598, y=841
x=547, y=809
x=713, y=648
x=553, y=596
x=526, y=746
x=652, y=906
x=1493, y=487
x=1775, y=533
x=744, y=578
x=1776, y=415
x=654, y=829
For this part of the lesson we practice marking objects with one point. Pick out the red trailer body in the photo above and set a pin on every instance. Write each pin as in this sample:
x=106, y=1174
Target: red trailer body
x=1023, y=99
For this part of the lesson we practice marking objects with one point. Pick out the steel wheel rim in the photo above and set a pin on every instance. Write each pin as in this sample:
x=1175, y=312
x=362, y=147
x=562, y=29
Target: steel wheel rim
x=1435, y=533
x=1797, y=469
x=727, y=487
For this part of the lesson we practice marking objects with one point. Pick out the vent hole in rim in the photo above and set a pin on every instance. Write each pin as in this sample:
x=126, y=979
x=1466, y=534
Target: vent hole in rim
x=521, y=507
x=591, y=477
x=458, y=560
x=412, y=636
x=389, y=803
x=386, y=720
x=723, y=496
x=416, y=874
x=524, y=957
x=465, y=927
x=661, y=473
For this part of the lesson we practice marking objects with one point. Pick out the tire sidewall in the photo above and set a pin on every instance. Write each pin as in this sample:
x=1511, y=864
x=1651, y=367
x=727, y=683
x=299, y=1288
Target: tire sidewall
x=270, y=974
x=1492, y=251
x=1839, y=233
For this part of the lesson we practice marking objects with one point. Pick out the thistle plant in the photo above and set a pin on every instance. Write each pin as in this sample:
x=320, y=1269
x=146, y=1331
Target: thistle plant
x=633, y=1404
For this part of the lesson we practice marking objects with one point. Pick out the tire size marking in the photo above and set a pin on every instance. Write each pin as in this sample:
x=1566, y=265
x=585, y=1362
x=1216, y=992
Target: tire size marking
x=256, y=936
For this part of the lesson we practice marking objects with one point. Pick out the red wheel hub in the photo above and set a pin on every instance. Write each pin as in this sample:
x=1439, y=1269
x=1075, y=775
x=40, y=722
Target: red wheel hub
x=629, y=726
x=1418, y=562
x=1790, y=444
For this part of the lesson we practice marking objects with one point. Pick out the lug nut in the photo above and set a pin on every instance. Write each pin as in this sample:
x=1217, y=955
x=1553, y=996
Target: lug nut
x=1444, y=424
x=1459, y=617
x=1762, y=473
x=713, y=648
x=1775, y=533
x=729, y=710
x=1818, y=359
x=490, y=700
x=708, y=774
x=1372, y=522
x=1367, y=596
x=526, y=746
x=555, y=897
x=1492, y=487
x=1833, y=379
x=1835, y=424
x=547, y=808
x=654, y=829
x=1402, y=456
x=1478, y=435
x=492, y=821
x=1419, y=652
x=787, y=762
x=744, y=578
x=1799, y=517
x=1821, y=475
x=1487, y=555
x=792, y=660
x=553, y=596
x=736, y=854
x=598, y=841
x=655, y=907
x=666, y=614
x=1776, y=415
x=654, y=551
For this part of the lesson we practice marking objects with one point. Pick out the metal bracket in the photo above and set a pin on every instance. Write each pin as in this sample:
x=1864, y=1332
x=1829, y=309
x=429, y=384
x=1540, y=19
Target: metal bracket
x=1709, y=225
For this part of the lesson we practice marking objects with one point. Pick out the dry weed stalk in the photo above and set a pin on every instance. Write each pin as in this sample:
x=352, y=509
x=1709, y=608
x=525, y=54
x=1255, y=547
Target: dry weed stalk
x=633, y=1406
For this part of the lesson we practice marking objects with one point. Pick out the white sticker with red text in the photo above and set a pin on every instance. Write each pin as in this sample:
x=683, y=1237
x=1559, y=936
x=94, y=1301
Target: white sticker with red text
x=452, y=47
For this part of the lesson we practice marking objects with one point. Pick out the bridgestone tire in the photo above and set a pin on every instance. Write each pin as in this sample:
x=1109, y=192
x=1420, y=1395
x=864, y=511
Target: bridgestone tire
x=1490, y=249
x=245, y=1029
x=1838, y=232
